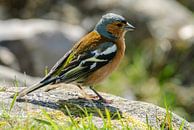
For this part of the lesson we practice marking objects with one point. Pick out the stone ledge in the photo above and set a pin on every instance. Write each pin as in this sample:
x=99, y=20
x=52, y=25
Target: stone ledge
x=138, y=114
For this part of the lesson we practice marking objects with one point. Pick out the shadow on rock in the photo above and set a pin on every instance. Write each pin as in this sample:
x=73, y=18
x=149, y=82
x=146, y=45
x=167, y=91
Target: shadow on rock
x=79, y=107
x=48, y=104
x=82, y=107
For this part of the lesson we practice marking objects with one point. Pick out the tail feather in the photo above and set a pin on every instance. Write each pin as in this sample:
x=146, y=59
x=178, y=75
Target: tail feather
x=32, y=88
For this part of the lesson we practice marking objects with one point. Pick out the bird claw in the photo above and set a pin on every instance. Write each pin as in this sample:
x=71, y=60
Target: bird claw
x=107, y=101
x=90, y=97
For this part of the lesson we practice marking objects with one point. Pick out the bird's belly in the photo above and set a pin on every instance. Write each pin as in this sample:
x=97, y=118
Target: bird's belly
x=100, y=74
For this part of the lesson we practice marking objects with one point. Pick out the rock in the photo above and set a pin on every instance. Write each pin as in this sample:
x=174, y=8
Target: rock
x=38, y=43
x=192, y=123
x=136, y=114
x=17, y=56
x=10, y=77
x=7, y=58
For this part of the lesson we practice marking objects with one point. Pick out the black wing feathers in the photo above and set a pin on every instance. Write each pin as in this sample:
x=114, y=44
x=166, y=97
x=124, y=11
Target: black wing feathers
x=88, y=62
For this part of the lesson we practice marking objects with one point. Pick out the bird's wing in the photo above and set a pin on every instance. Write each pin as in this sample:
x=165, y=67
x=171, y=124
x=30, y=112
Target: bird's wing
x=77, y=68
x=58, y=66
x=87, y=62
x=88, y=55
x=86, y=48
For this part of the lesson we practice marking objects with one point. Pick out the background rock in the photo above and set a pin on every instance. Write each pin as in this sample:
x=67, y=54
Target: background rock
x=37, y=43
x=10, y=77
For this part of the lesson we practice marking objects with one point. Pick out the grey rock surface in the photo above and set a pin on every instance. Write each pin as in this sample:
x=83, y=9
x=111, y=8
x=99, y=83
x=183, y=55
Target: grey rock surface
x=138, y=114
x=192, y=123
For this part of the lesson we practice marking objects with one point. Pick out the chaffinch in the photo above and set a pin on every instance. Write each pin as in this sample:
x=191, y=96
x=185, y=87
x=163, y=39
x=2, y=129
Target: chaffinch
x=92, y=58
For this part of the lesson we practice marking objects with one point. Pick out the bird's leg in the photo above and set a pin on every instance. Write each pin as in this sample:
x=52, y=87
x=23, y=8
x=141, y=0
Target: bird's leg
x=99, y=96
x=87, y=96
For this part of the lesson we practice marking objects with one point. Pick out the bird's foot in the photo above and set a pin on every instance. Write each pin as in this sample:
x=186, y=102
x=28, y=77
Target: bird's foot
x=96, y=98
x=107, y=101
x=89, y=96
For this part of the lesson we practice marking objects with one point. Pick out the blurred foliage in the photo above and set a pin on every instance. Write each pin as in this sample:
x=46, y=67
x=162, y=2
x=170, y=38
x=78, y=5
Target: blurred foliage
x=152, y=75
x=188, y=3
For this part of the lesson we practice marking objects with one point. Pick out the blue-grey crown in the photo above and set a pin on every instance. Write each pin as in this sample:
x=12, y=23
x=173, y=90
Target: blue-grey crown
x=105, y=20
x=110, y=17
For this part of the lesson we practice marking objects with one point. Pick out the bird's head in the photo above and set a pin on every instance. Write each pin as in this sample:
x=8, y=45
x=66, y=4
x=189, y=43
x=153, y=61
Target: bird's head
x=113, y=26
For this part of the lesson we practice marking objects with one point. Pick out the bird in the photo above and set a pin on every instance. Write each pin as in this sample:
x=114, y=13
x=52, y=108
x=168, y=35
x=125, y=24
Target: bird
x=94, y=57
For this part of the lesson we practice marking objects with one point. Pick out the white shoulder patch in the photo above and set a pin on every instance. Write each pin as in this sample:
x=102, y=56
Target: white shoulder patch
x=93, y=65
x=110, y=50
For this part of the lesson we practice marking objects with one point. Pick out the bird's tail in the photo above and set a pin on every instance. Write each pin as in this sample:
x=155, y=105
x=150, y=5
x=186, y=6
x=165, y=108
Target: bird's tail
x=33, y=88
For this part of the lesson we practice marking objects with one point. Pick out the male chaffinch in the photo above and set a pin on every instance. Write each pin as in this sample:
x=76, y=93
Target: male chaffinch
x=92, y=58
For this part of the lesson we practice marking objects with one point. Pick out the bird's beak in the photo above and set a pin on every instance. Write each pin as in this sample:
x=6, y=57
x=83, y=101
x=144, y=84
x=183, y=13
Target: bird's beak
x=129, y=27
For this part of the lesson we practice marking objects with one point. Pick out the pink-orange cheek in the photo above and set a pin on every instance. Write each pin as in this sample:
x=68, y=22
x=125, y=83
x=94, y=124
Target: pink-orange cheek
x=114, y=30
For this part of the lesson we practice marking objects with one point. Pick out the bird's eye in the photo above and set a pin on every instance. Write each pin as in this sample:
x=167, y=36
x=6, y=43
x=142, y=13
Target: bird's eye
x=119, y=25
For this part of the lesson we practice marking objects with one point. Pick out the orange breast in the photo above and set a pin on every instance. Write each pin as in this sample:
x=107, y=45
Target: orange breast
x=106, y=70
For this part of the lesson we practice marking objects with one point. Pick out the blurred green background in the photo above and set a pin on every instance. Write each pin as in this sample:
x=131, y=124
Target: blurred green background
x=159, y=62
